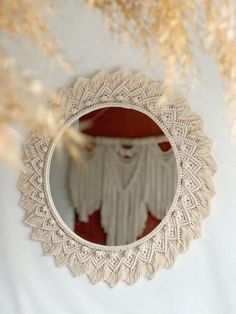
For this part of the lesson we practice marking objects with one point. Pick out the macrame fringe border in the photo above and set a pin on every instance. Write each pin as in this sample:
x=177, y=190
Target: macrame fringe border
x=62, y=246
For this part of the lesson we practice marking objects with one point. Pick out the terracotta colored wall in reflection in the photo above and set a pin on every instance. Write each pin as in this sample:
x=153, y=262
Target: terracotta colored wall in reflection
x=117, y=122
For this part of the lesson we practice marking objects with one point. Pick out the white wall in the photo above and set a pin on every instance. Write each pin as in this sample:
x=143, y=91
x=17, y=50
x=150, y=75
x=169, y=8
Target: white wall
x=203, y=281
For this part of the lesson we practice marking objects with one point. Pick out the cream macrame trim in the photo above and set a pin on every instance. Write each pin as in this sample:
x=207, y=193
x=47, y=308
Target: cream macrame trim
x=195, y=167
x=124, y=189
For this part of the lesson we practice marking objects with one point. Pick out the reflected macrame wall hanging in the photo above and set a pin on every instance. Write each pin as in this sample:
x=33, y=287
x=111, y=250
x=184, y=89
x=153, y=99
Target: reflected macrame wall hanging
x=124, y=178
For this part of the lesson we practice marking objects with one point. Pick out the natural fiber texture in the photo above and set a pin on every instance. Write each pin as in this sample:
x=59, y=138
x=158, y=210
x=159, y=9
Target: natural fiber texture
x=124, y=178
x=195, y=168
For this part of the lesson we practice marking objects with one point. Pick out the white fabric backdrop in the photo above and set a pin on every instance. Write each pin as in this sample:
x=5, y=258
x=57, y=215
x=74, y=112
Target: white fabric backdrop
x=202, y=281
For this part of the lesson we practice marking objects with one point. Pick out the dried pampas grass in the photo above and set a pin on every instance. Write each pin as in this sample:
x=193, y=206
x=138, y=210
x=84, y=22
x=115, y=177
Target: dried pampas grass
x=23, y=99
x=22, y=107
x=173, y=30
x=169, y=28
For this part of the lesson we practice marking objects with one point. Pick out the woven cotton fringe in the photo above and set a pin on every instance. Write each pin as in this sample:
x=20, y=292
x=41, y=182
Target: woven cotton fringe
x=124, y=178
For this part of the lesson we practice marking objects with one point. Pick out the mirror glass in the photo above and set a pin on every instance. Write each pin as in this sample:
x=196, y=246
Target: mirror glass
x=113, y=176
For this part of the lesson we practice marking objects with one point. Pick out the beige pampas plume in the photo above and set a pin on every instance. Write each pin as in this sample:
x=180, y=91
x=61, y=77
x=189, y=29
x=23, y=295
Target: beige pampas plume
x=173, y=29
x=23, y=99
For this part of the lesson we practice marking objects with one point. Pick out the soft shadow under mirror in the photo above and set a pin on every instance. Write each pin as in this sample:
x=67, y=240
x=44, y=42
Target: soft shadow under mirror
x=118, y=184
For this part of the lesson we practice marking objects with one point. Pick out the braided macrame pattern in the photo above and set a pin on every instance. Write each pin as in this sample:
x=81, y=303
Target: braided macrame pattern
x=182, y=223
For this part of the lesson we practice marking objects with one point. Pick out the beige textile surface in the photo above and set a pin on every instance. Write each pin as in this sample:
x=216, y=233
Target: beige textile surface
x=182, y=223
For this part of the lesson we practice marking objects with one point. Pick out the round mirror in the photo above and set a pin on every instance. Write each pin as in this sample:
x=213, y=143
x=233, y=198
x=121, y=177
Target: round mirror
x=106, y=193
x=121, y=180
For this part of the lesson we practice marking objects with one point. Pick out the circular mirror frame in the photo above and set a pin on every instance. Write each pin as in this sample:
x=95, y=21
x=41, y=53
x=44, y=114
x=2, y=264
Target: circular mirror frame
x=195, y=170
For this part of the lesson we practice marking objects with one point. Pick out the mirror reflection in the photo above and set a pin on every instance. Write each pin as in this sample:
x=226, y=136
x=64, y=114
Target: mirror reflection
x=117, y=184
